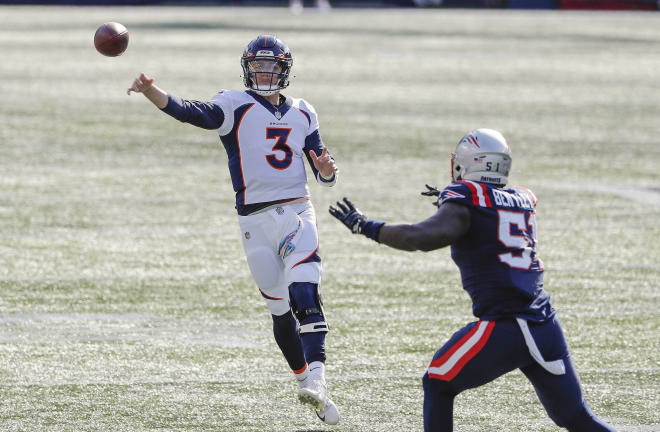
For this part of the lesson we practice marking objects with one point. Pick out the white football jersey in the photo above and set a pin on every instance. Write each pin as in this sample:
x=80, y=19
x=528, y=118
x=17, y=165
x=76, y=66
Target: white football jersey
x=265, y=145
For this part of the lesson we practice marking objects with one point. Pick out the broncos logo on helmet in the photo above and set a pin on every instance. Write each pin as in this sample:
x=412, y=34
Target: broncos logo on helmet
x=266, y=63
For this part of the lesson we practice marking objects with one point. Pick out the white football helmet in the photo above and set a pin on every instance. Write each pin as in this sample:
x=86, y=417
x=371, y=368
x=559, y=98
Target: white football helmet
x=482, y=155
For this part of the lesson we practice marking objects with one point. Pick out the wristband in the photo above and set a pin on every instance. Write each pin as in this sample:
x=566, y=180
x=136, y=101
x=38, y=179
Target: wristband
x=371, y=229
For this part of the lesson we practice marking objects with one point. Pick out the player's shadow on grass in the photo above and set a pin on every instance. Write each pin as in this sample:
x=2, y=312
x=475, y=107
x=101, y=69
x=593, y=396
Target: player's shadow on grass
x=311, y=430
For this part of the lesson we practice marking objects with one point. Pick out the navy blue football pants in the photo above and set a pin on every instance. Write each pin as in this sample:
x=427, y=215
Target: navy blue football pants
x=482, y=351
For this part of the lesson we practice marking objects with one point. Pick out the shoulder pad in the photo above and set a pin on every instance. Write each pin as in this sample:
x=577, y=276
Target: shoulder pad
x=310, y=113
x=467, y=192
x=528, y=192
x=455, y=192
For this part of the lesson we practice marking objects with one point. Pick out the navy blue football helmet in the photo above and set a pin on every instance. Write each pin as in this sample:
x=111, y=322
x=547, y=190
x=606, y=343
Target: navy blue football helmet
x=266, y=64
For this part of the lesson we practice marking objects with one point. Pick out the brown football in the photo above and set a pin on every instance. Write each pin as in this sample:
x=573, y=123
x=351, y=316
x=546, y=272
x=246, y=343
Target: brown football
x=111, y=39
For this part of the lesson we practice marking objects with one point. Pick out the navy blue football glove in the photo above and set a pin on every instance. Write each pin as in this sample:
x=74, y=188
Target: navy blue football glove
x=347, y=214
x=432, y=191
x=355, y=220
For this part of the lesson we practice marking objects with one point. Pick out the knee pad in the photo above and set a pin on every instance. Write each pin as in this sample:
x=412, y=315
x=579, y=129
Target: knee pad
x=307, y=306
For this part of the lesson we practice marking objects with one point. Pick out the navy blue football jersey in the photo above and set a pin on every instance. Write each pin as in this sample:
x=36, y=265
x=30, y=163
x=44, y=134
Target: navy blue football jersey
x=497, y=257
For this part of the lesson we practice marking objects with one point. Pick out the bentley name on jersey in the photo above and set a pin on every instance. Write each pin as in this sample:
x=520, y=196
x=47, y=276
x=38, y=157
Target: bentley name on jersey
x=497, y=257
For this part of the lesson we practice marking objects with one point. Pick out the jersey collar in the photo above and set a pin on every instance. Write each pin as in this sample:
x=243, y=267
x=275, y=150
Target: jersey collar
x=279, y=111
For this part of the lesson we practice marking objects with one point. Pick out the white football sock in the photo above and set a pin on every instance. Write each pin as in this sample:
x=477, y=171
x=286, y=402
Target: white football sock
x=302, y=376
x=317, y=371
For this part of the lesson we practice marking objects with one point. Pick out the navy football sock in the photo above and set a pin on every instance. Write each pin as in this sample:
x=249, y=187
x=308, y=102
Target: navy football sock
x=285, y=329
x=438, y=406
x=587, y=422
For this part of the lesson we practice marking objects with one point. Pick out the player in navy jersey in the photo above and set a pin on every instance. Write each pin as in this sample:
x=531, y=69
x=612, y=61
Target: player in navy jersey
x=266, y=134
x=492, y=233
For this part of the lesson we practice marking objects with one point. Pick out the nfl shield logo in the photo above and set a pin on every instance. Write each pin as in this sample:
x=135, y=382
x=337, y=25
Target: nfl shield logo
x=278, y=115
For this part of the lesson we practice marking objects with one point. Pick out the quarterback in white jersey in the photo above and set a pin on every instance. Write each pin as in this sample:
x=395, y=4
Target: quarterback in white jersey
x=269, y=165
x=266, y=134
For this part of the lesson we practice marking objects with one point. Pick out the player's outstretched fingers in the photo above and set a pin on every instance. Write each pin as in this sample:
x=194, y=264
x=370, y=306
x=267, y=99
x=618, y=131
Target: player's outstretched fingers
x=135, y=87
x=141, y=84
x=342, y=207
x=431, y=191
x=132, y=88
x=324, y=157
x=146, y=80
x=349, y=204
x=333, y=211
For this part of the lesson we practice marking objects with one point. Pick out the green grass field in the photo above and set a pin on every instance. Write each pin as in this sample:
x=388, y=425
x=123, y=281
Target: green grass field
x=126, y=303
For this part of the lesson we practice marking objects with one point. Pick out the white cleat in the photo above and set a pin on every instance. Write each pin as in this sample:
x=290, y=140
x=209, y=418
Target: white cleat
x=313, y=393
x=329, y=414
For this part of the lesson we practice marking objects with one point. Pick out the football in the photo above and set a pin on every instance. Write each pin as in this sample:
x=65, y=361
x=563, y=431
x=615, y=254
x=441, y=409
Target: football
x=111, y=39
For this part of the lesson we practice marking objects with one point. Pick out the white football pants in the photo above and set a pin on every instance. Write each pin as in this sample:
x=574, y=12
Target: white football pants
x=281, y=246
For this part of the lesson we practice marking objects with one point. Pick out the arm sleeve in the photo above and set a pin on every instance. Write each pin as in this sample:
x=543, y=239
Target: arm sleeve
x=206, y=115
x=313, y=142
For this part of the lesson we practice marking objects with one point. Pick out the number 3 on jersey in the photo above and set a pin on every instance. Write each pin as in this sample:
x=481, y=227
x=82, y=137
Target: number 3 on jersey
x=526, y=240
x=281, y=135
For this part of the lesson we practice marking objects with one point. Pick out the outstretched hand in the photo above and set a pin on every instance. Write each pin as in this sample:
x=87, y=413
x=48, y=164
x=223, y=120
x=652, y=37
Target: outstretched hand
x=324, y=163
x=141, y=84
x=432, y=191
x=350, y=216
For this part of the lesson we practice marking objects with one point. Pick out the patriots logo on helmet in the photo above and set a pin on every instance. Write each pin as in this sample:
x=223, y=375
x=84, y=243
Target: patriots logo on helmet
x=483, y=155
x=472, y=140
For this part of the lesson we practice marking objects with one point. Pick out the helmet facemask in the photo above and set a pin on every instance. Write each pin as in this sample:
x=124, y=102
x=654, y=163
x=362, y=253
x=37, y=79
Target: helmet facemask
x=266, y=75
x=266, y=63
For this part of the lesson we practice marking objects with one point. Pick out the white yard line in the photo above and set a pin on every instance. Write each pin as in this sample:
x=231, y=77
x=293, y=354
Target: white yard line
x=643, y=195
